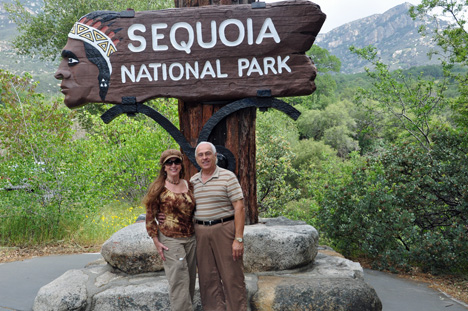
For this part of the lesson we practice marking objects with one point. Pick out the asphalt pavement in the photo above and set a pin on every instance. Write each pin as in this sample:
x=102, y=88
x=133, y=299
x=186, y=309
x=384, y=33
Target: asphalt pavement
x=21, y=280
x=399, y=294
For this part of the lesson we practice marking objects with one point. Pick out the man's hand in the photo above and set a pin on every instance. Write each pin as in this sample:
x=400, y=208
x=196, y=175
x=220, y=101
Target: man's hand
x=160, y=247
x=239, y=220
x=237, y=250
x=161, y=217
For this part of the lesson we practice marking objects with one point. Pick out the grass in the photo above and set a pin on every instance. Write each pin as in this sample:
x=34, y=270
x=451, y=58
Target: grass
x=84, y=233
x=110, y=219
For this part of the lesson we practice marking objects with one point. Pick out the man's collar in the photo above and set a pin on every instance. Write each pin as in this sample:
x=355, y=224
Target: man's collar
x=214, y=175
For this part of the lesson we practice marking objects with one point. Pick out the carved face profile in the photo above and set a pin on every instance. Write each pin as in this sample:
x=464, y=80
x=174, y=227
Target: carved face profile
x=85, y=68
x=78, y=74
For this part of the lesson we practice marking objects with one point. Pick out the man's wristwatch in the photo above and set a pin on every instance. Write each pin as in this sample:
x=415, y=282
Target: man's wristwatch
x=240, y=240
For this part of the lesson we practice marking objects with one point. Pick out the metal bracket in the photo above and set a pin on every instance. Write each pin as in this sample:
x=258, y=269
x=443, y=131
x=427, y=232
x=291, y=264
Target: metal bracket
x=263, y=93
x=127, y=108
x=131, y=105
x=129, y=13
x=258, y=5
x=242, y=104
x=225, y=157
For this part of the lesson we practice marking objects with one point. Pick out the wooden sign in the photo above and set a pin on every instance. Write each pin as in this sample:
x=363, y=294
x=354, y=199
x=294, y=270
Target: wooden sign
x=194, y=54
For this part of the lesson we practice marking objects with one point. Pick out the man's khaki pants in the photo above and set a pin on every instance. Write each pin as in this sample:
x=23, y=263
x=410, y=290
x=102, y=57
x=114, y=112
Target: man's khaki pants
x=221, y=279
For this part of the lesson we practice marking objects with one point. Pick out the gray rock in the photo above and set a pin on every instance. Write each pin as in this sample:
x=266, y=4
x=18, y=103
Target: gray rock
x=106, y=278
x=148, y=296
x=281, y=221
x=284, y=272
x=68, y=292
x=266, y=243
x=279, y=244
x=108, y=289
x=297, y=293
x=132, y=250
x=332, y=266
x=330, y=283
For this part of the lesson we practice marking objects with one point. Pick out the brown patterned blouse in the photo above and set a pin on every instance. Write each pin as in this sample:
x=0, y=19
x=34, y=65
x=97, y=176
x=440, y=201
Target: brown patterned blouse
x=179, y=209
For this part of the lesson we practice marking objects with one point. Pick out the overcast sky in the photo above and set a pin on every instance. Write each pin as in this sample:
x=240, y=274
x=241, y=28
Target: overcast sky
x=340, y=12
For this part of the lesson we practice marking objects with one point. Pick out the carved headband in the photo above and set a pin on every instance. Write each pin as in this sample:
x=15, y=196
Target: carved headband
x=99, y=40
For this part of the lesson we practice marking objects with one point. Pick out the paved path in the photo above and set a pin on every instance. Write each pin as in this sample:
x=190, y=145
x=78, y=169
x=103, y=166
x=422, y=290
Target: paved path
x=399, y=294
x=21, y=280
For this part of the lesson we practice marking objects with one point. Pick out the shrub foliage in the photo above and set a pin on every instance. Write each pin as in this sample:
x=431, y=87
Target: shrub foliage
x=52, y=181
x=407, y=207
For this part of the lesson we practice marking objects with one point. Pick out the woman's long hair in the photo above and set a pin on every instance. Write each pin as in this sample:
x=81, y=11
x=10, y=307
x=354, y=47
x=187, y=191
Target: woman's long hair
x=151, y=199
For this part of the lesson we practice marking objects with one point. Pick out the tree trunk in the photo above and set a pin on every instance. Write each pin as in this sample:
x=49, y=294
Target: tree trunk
x=236, y=132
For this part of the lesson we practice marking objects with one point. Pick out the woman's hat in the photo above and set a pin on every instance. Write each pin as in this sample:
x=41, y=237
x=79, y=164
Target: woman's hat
x=170, y=153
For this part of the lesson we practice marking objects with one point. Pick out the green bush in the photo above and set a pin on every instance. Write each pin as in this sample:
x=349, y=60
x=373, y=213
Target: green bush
x=29, y=132
x=63, y=180
x=405, y=208
x=52, y=197
x=127, y=151
x=273, y=168
x=275, y=131
x=56, y=185
x=310, y=152
x=334, y=125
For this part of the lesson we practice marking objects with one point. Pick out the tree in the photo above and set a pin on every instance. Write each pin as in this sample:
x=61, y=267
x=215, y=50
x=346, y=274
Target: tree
x=406, y=205
x=56, y=185
x=326, y=64
x=340, y=138
x=413, y=103
x=311, y=152
x=275, y=134
x=45, y=34
x=334, y=125
x=26, y=119
x=51, y=182
x=453, y=39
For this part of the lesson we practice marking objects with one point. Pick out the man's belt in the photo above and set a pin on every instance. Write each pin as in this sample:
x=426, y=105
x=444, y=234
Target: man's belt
x=214, y=222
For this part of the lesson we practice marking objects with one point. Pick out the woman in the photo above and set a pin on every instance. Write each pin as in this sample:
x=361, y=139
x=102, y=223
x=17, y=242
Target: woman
x=174, y=239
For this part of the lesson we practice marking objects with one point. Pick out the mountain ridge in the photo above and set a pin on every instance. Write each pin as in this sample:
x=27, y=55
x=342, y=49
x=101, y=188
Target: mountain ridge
x=394, y=33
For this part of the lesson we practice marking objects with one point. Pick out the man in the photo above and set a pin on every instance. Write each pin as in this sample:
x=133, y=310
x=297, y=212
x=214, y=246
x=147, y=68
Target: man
x=219, y=230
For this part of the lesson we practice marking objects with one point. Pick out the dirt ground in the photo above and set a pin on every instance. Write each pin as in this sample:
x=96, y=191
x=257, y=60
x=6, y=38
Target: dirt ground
x=9, y=254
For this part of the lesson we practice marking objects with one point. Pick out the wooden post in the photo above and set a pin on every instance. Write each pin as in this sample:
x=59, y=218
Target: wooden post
x=236, y=132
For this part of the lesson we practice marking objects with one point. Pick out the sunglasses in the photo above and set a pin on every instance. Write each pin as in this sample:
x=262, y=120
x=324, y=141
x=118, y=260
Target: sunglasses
x=175, y=161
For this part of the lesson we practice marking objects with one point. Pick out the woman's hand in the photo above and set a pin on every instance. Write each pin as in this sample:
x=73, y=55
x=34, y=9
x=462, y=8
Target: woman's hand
x=160, y=247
